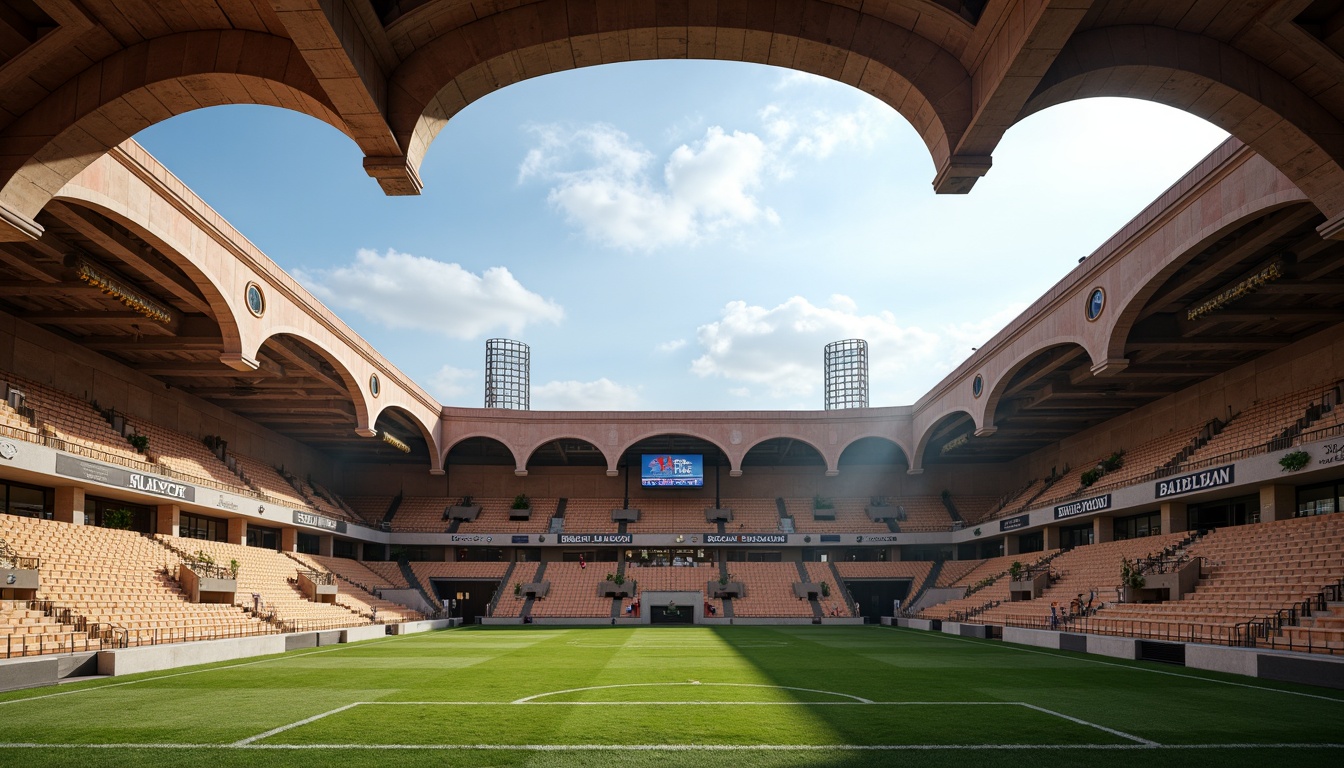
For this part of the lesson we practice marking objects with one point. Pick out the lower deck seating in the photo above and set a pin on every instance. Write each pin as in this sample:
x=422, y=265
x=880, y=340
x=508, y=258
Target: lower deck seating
x=1089, y=570
x=510, y=603
x=1250, y=571
x=273, y=577
x=120, y=579
x=769, y=591
x=356, y=596
x=670, y=579
x=573, y=592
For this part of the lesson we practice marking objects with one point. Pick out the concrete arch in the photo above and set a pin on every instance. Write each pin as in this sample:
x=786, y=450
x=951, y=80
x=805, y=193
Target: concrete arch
x=519, y=465
x=917, y=460
x=830, y=460
x=1217, y=82
x=1137, y=294
x=426, y=432
x=905, y=452
x=226, y=314
x=358, y=396
x=532, y=449
x=914, y=75
x=989, y=404
x=612, y=467
x=139, y=86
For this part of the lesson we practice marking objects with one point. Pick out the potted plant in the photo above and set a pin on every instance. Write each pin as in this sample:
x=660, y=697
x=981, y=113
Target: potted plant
x=138, y=442
x=1015, y=571
x=1292, y=462
x=825, y=589
x=521, y=502
x=233, y=568
x=518, y=589
x=821, y=502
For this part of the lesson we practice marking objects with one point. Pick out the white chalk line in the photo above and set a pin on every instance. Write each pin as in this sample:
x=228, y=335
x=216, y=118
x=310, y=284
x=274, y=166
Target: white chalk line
x=684, y=747
x=1080, y=721
x=1020, y=649
x=528, y=702
x=273, y=658
x=527, y=699
x=295, y=724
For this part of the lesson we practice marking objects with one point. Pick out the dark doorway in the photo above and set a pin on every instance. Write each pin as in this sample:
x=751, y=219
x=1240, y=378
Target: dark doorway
x=671, y=614
x=473, y=597
x=876, y=597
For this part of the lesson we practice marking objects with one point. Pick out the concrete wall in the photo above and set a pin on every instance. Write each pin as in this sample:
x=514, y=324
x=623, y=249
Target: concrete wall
x=152, y=658
x=1302, y=668
x=422, y=626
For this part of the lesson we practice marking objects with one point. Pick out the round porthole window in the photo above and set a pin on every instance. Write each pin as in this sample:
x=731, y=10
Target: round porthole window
x=256, y=300
x=375, y=386
x=1096, y=302
x=978, y=385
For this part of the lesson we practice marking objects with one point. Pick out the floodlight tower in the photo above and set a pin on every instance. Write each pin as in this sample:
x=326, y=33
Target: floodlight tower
x=508, y=374
x=846, y=365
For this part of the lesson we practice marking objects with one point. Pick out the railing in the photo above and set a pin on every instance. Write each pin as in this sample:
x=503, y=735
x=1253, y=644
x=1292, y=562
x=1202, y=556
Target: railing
x=317, y=625
x=164, y=635
x=210, y=570
x=1141, y=629
x=15, y=646
x=320, y=578
x=971, y=613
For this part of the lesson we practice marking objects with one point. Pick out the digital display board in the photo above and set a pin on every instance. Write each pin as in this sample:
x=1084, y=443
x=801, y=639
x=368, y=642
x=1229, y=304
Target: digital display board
x=672, y=470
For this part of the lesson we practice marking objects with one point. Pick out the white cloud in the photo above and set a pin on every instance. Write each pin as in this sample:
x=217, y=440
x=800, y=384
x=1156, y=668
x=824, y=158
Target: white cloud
x=818, y=133
x=398, y=290
x=671, y=346
x=600, y=395
x=740, y=391
x=620, y=195
x=604, y=184
x=780, y=348
x=449, y=383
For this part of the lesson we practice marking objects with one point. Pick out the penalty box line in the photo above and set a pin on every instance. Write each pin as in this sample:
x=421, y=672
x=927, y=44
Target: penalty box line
x=251, y=740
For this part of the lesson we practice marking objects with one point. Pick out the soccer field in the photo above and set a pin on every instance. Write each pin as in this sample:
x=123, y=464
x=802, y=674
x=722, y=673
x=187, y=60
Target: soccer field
x=745, y=696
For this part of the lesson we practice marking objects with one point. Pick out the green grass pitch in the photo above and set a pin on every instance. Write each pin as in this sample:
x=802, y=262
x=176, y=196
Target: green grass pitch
x=665, y=697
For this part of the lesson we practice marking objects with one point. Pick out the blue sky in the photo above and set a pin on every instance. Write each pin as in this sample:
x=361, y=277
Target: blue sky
x=680, y=235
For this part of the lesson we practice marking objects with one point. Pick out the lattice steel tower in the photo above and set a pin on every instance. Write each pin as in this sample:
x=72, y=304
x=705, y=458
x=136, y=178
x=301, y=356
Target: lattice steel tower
x=846, y=374
x=508, y=374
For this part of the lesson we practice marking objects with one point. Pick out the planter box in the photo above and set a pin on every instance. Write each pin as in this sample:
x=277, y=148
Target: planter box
x=1028, y=589
x=467, y=514
x=520, y=514
x=206, y=590
x=318, y=593
x=613, y=590
x=807, y=590
x=720, y=515
x=18, y=584
x=731, y=589
x=536, y=589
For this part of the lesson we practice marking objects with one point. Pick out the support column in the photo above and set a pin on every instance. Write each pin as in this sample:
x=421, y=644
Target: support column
x=237, y=530
x=70, y=505
x=1277, y=502
x=167, y=519
x=1174, y=517
x=1012, y=545
x=1103, y=529
x=1050, y=534
x=326, y=545
x=289, y=539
